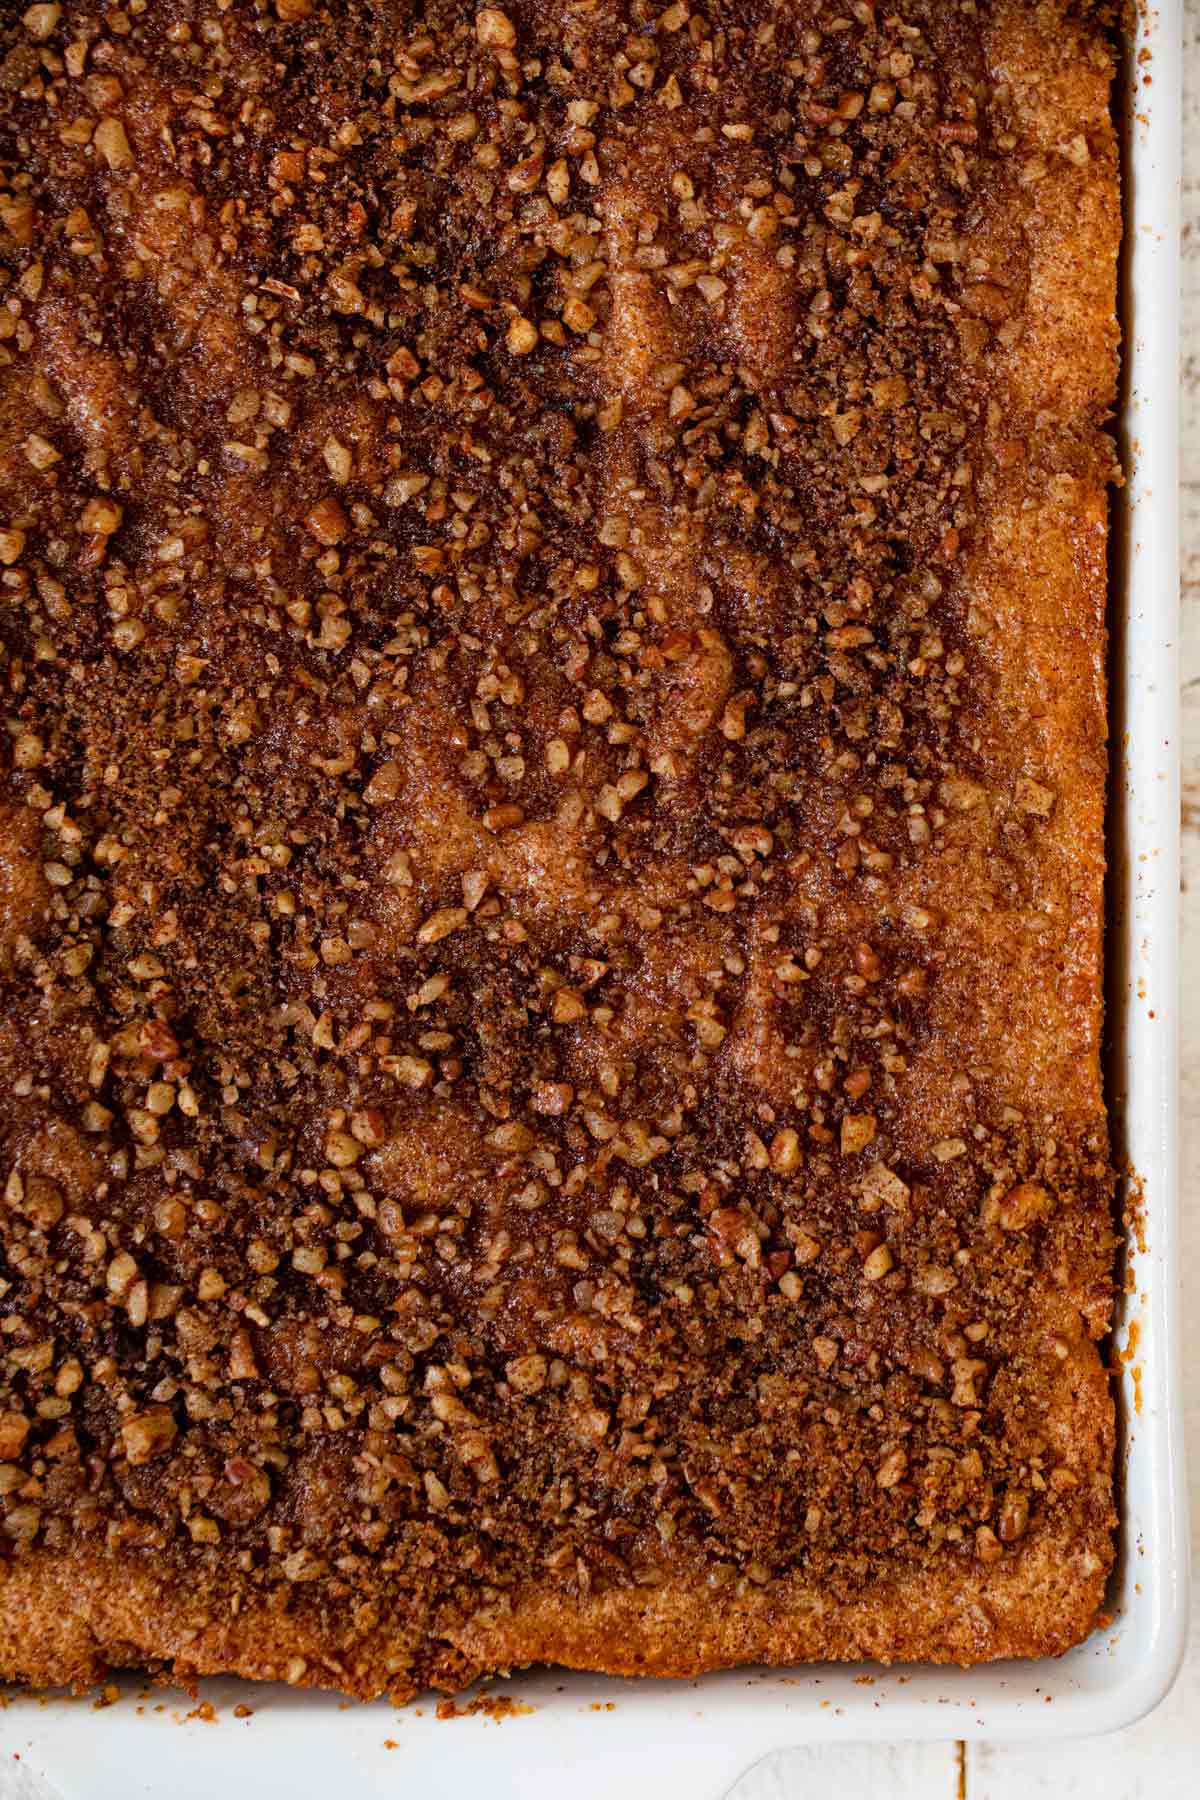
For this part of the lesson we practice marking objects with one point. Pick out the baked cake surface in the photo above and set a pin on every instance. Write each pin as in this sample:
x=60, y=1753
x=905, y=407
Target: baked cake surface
x=553, y=582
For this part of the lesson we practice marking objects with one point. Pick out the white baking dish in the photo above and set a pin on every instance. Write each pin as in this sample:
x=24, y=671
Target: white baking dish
x=597, y=1737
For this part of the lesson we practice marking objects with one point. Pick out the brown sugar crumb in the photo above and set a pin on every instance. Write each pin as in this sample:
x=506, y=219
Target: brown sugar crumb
x=553, y=572
x=496, y=1707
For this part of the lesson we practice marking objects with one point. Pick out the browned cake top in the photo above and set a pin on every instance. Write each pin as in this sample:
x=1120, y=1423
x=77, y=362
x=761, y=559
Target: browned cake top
x=549, y=917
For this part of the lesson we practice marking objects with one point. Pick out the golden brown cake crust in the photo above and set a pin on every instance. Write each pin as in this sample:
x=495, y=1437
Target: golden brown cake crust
x=553, y=580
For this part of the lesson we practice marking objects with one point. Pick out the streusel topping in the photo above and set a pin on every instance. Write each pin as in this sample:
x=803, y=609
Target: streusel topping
x=510, y=810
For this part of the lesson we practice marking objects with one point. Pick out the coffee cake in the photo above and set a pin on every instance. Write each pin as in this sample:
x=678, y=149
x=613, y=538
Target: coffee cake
x=553, y=572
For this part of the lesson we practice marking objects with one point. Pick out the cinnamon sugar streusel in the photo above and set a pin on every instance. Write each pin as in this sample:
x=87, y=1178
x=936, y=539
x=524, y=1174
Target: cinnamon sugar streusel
x=552, y=564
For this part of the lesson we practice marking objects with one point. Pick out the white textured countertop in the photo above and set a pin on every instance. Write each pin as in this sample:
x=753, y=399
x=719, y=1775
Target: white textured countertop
x=1160, y=1758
